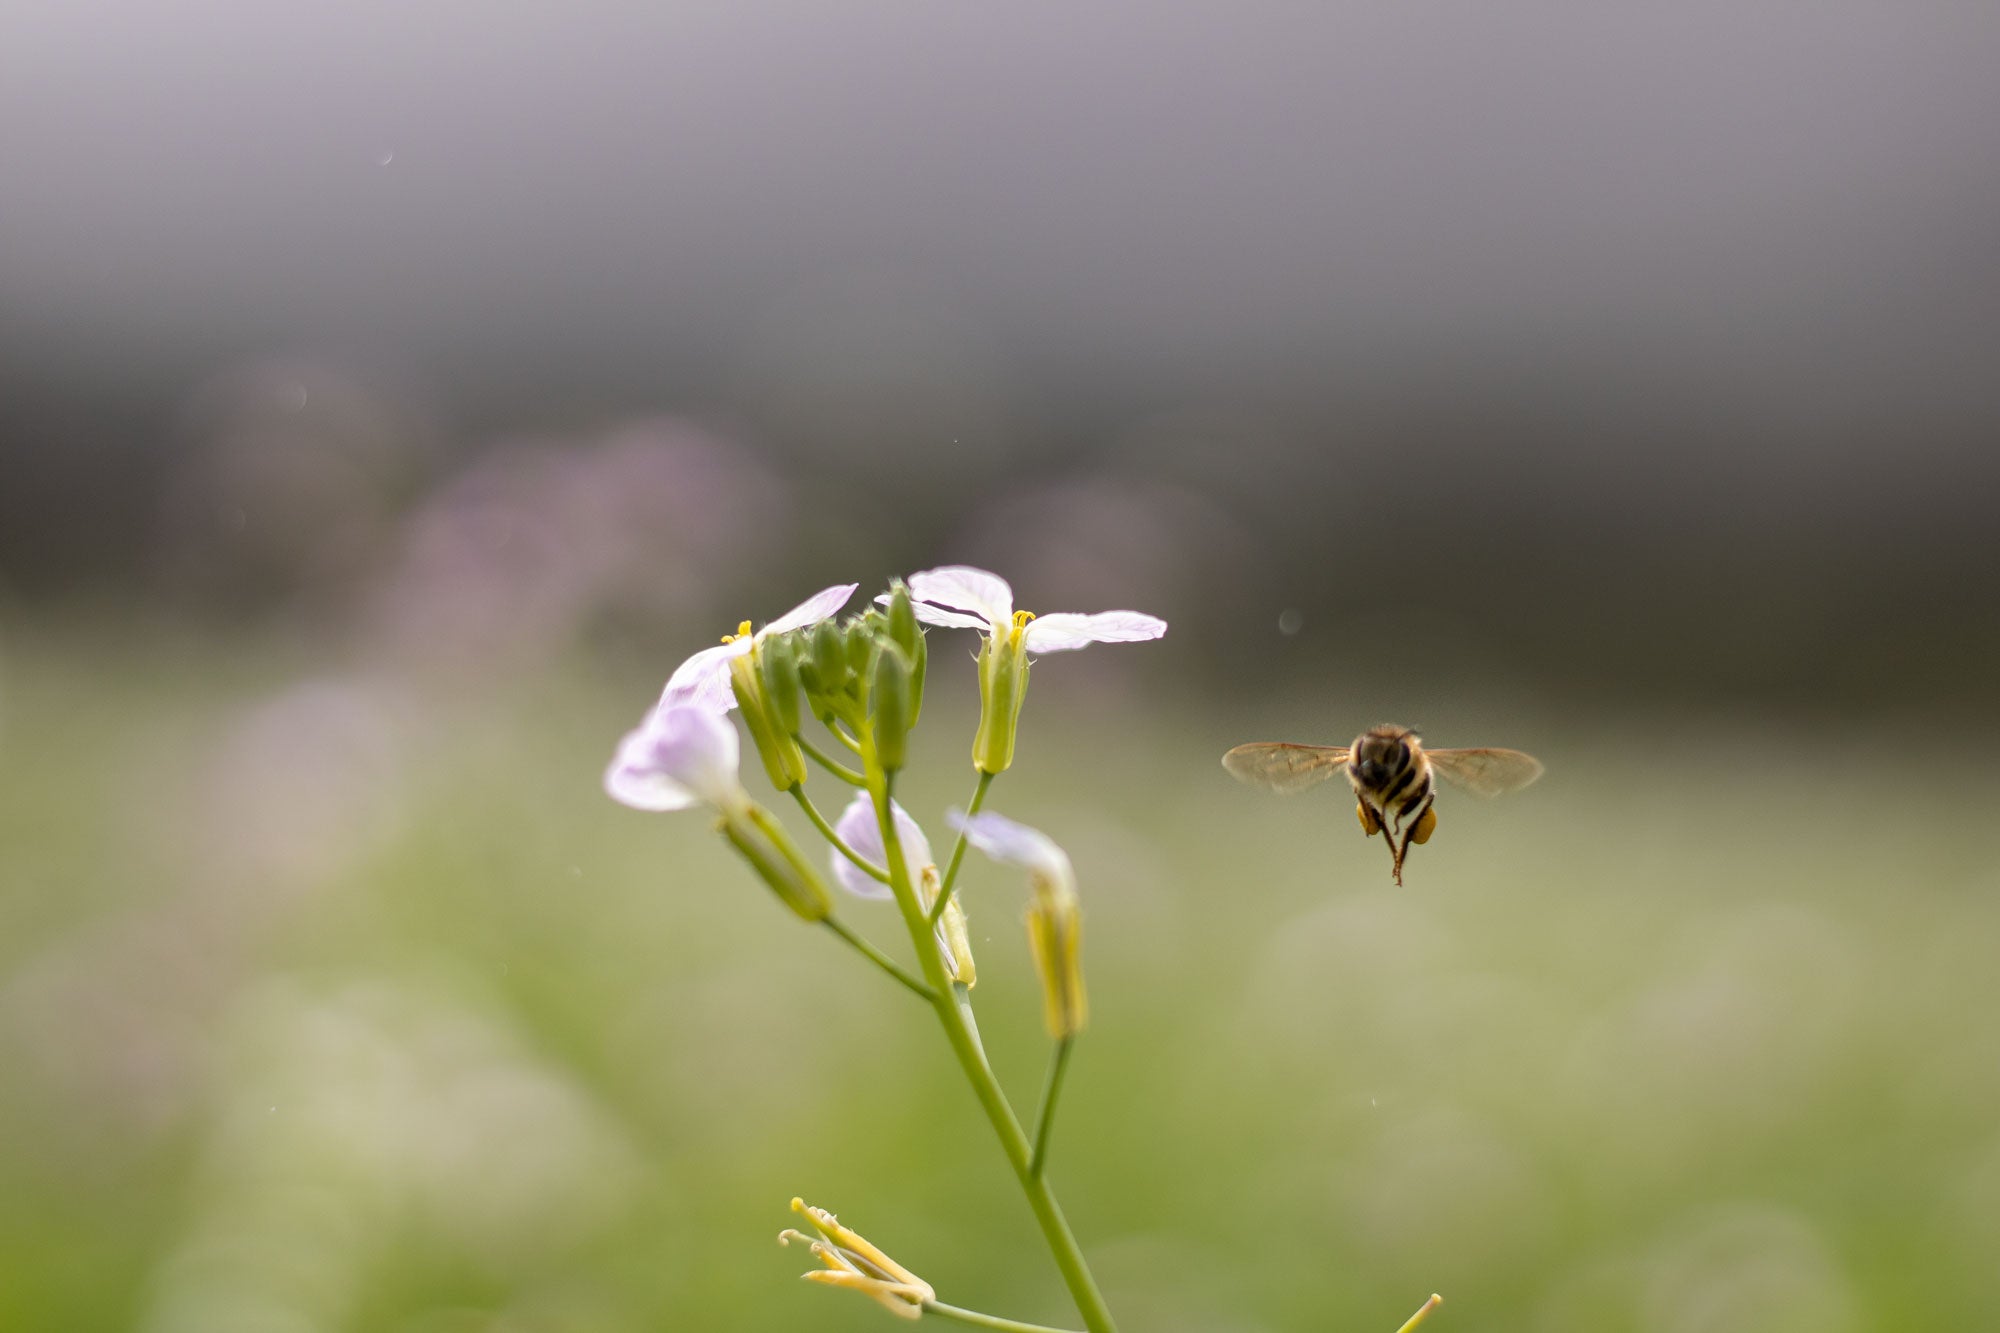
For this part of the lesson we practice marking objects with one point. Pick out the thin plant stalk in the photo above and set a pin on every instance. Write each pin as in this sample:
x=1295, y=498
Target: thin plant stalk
x=951, y=1011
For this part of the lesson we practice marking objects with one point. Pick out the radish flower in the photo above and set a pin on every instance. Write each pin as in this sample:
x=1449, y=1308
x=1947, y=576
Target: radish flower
x=862, y=832
x=961, y=597
x=703, y=680
x=1055, y=920
x=686, y=756
x=680, y=758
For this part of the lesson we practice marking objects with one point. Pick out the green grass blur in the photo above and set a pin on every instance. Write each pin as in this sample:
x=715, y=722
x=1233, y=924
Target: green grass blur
x=332, y=1002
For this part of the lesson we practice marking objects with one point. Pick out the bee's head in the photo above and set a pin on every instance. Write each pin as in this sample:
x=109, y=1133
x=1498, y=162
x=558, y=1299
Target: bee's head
x=1381, y=754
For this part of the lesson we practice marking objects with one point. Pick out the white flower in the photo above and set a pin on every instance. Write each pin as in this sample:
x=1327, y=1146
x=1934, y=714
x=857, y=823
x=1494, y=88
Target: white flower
x=961, y=597
x=1055, y=921
x=681, y=757
x=703, y=680
x=860, y=830
x=1018, y=845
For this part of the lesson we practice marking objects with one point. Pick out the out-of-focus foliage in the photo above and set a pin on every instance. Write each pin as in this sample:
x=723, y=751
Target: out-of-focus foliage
x=333, y=1000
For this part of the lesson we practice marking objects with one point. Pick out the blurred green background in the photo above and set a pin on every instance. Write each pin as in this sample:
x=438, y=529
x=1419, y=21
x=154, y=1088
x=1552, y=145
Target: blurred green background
x=391, y=396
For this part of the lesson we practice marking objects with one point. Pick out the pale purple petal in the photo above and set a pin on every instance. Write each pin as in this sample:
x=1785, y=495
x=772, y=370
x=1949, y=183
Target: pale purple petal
x=858, y=828
x=963, y=588
x=812, y=610
x=1013, y=844
x=1065, y=630
x=680, y=757
x=703, y=680
x=633, y=779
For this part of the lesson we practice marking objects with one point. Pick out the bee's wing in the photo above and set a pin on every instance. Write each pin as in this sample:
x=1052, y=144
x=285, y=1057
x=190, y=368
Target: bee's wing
x=1283, y=767
x=1485, y=772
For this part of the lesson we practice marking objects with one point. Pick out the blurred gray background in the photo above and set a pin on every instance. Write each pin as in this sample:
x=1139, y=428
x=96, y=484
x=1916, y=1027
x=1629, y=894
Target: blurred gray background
x=1627, y=350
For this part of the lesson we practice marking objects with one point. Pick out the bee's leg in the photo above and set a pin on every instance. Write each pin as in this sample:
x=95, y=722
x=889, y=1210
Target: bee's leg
x=1369, y=824
x=1425, y=826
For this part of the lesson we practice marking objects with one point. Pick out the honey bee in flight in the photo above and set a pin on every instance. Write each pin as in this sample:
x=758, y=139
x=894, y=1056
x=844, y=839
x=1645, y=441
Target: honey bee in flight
x=1393, y=776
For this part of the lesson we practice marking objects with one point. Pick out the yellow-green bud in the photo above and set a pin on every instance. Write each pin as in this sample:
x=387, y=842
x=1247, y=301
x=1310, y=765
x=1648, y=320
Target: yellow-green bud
x=768, y=848
x=1003, y=684
x=784, y=763
x=861, y=633
x=1055, y=937
x=780, y=665
x=890, y=697
x=828, y=652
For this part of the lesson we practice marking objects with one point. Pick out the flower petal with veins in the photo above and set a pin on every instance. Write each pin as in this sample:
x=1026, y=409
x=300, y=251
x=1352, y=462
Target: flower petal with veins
x=1062, y=631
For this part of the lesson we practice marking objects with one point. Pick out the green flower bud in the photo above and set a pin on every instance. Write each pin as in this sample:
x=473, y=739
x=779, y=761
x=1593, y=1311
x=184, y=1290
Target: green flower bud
x=763, y=842
x=1003, y=686
x=890, y=696
x=780, y=667
x=861, y=638
x=783, y=761
x=907, y=634
x=829, y=659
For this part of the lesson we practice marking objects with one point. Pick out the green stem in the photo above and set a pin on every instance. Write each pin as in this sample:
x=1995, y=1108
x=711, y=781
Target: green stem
x=1058, y=1066
x=877, y=957
x=986, y=1320
x=839, y=844
x=831, y=765
x=950, y=880
x=951, y=1008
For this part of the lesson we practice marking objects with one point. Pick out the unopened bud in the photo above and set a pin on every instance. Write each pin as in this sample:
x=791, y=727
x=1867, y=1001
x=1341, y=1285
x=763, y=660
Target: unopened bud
x=907, y=634
x=783, y=761
x=779, y=662
x=890, y=697
x=829, y=659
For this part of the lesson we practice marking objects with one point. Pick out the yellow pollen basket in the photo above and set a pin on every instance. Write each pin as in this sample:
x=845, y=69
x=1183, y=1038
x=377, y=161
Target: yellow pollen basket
x=742, y=632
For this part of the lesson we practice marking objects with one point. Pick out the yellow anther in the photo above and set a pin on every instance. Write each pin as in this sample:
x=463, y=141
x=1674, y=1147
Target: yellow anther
x=1021, y=619
x=742, y=632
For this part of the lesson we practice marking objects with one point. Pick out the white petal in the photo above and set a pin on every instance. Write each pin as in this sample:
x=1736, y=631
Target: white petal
x=680, y=757
x=634, y=780
x=858, y=828
x=703, y=680
x=963, y=588
x=1014, y=844
x=812, y=610
x=1064, y=630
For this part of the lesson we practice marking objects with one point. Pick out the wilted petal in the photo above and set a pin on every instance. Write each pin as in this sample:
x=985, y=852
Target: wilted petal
x=1014, y=844
x=703, y=680
x=812, y=610
x=1065, y=630
x=681, y=757
x=859, y=829
x=963, y=588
